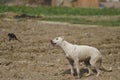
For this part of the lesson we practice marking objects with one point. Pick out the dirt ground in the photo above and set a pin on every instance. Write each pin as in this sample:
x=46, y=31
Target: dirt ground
x=36, y=59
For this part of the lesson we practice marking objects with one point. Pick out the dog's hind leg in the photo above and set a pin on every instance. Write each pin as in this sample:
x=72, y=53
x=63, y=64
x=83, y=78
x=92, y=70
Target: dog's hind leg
x=89, y=71
x=98, y=72
x=88, y=66
x=96, y=63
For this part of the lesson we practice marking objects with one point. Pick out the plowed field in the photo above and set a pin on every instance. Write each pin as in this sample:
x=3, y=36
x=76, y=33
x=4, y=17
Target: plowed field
x=36, y=59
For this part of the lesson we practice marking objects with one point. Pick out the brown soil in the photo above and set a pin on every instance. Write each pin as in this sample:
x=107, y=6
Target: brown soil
x=36, y=59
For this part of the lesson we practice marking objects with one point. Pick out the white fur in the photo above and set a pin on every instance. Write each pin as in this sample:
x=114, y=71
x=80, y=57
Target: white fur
x=80, y=53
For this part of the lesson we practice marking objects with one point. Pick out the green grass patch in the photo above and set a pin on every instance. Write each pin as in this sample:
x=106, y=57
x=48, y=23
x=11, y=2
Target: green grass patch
x=66, y=11
x=69, y=20
x=68, y=14
x=109, y=22
x=103, y=22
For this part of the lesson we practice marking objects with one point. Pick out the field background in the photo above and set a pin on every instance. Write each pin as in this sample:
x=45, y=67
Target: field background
x=36, y=59
x=92, y=16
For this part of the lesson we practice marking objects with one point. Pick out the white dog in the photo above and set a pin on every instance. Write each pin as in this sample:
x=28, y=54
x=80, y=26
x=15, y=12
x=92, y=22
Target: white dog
x=81, y=53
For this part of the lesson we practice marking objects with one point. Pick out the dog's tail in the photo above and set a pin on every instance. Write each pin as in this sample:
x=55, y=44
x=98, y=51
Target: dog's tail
x=106, y=69
x=102, y=67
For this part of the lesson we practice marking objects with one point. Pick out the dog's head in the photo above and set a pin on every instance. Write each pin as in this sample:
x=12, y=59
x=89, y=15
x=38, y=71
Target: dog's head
x=57, y=40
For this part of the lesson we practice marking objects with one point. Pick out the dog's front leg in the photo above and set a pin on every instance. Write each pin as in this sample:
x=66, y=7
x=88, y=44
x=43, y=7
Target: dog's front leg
x=77, y=67
x=71, y=65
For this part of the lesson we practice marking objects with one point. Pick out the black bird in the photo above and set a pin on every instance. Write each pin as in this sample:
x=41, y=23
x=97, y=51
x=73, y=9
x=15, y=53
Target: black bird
x=12, y=36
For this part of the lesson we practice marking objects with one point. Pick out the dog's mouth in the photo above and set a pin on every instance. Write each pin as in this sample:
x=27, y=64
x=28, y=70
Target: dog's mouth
x=52, y=43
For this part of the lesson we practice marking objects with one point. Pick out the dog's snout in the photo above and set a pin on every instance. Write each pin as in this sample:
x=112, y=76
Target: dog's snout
x=52, y=42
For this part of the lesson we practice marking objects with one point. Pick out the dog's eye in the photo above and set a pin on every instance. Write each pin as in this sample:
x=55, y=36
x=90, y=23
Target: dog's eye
x=56, y=38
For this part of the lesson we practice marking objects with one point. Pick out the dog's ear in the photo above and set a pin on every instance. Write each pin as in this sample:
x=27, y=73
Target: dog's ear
x=62, y=37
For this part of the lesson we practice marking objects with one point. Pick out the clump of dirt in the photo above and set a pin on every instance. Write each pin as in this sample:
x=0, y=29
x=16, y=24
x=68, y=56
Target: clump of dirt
x=12, y=15
x=27, y=16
